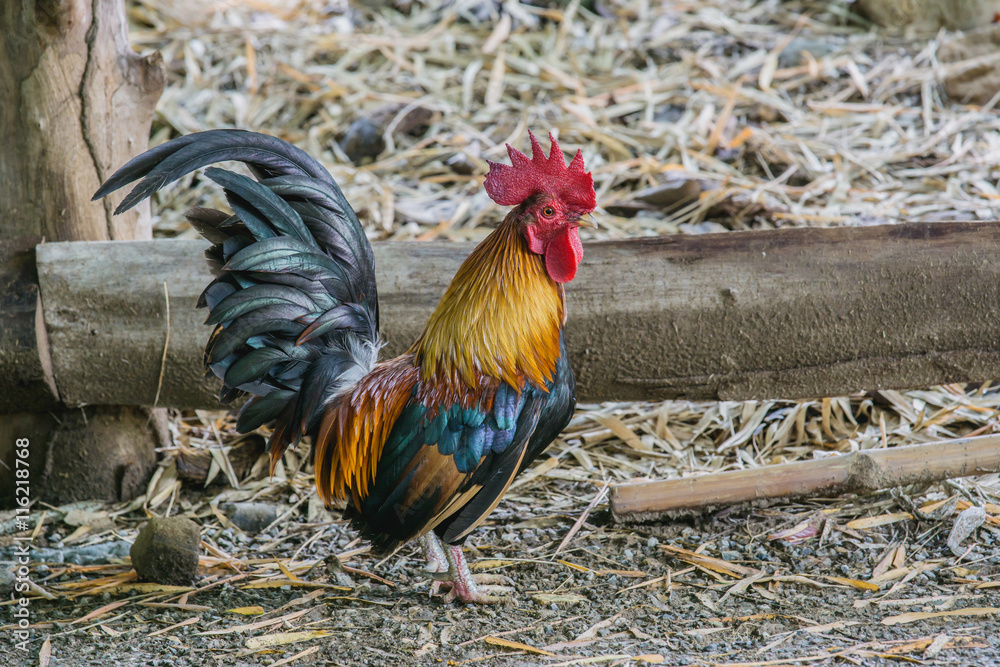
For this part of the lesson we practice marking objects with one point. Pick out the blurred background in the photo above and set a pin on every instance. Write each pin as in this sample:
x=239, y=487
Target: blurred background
x=695, y=116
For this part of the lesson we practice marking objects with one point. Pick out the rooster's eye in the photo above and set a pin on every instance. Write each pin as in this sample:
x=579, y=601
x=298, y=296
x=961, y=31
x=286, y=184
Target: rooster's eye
x=548, y=211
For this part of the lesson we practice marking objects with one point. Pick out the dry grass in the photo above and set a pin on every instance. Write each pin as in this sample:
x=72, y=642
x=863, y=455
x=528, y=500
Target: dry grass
x=791, y=111
x=760, y=114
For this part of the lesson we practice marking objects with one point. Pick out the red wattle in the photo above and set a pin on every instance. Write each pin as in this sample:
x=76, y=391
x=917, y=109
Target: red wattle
x=535, y=243
x=563, y=253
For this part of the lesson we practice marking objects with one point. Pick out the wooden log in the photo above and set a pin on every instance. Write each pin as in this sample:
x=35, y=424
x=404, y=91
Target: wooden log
x=929, y=16
x=789, y=313
x=24, y=347
x=105, y=311
x=859, y=472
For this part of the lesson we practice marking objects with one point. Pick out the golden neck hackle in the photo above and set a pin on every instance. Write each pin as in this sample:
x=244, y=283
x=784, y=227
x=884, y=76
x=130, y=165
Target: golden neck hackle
x=499, y=319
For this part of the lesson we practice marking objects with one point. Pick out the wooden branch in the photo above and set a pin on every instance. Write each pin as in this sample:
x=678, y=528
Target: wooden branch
x=779, y=314
x=859, y=472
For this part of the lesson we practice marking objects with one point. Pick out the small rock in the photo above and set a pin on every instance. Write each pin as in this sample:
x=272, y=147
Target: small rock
x=6, y=583
x=250, y=517
x=730, y=556
x=166, y=551
x=365, y=137
x=337, y=573
x=362, y=141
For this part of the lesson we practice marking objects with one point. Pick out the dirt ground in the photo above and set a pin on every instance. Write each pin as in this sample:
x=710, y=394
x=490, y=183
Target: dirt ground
x=873, y=137
x=614, y=595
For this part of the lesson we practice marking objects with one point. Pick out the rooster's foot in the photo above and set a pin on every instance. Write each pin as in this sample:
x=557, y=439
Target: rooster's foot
x=467, y=588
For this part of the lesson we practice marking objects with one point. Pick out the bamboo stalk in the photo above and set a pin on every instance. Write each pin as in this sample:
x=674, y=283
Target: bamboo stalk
x=859, y=472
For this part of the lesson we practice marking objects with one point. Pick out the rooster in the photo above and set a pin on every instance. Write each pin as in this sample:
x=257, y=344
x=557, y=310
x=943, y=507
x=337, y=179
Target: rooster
x=422, y=446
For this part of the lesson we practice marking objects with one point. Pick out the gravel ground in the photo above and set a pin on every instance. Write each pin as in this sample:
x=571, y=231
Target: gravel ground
x=614, y=595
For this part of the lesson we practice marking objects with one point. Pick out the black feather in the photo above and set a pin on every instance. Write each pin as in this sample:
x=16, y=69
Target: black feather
x=294, y=292
x=206, y=221
x=260, y=410
x=268, y=156
x=247, y=300
x=245, y=194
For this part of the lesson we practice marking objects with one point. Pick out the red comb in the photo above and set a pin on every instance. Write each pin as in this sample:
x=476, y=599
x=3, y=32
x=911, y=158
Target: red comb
x=509, y=185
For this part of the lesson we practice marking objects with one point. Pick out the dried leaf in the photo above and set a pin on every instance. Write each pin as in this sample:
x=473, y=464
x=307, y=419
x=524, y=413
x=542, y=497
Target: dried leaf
x=965, y=524
x=915, y=616
x=854, y=583
x=247, y=611
x=802, y=531
x=876, y=521
x=45, y=653
x=282, y=638
x=506, y=643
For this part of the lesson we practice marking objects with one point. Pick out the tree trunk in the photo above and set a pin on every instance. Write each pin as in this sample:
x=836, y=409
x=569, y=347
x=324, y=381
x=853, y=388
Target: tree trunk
x=75, y=102
x=27, y=381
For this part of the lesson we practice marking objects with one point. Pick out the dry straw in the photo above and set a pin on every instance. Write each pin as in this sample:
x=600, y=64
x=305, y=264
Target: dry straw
x=694, y=116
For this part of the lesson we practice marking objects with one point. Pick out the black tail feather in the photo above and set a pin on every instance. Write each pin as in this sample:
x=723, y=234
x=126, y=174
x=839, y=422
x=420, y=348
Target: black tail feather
x=294, y=300
x=267, y=156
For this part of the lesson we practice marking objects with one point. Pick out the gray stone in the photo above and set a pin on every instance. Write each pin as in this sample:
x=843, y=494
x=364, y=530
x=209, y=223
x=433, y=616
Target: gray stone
x=251, y=517
x=6, y=583
x=362, y=141
x=166, y=551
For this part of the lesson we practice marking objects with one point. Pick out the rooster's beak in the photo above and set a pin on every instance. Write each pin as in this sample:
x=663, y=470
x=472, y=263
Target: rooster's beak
x=591, y=223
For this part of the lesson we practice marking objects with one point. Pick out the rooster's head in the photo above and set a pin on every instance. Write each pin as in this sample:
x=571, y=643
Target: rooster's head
x=552, y=200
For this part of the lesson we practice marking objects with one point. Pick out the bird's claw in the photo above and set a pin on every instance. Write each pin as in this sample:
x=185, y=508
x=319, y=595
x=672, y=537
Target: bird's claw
x=450, y=575
x=491, y=579
x=480, y=589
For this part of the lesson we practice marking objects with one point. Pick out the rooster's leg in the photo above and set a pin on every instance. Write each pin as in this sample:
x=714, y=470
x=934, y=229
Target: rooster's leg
x=467, y=587
x=436, y=562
